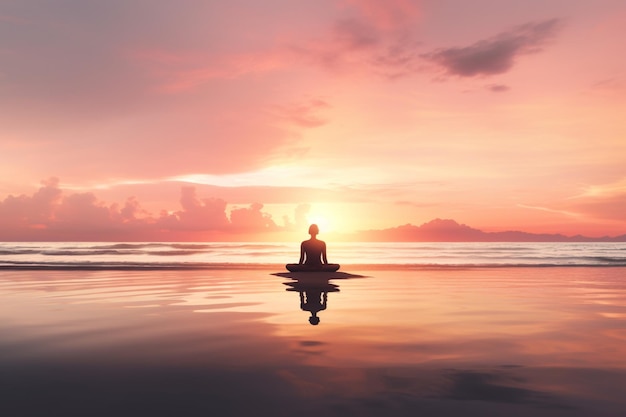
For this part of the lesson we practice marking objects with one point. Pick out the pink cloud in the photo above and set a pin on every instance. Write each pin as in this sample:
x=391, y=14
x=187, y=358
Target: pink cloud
x=131, y=211
x=206, y=214
x=497, y=88
x=348, y=42
x=495, y=55
x=31, y=211
x=82, y=211
x=365, y=26
x=50, y=214
x=251, y=219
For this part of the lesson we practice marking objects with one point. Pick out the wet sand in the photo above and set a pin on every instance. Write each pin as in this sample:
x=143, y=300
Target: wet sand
x=444, y=341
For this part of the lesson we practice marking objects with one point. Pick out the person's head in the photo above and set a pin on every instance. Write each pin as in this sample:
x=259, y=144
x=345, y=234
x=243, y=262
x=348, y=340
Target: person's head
x=314, y=320
x=314, y=230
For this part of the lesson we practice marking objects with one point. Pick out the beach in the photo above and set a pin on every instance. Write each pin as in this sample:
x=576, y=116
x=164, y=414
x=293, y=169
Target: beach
x=337, y=208
x=237, y=340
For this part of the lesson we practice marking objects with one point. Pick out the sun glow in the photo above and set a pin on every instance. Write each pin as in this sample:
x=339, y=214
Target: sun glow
x=322, y=221
x=333, y=218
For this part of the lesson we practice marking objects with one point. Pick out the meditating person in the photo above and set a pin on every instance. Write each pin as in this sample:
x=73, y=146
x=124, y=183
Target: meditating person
x=313, y=255
x=313, y=251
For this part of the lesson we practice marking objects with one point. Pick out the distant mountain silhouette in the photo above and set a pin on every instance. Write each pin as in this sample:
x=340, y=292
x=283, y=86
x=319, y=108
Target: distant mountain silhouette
x=447, y=230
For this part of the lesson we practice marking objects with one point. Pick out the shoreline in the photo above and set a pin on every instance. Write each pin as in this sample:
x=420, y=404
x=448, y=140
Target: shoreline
x=281, y=268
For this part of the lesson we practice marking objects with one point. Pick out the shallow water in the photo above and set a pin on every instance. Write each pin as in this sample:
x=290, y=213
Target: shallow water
x=436, y=341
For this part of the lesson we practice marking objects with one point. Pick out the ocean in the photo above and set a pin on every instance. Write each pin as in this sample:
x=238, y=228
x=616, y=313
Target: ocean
x=250, y=254
x=222, y=329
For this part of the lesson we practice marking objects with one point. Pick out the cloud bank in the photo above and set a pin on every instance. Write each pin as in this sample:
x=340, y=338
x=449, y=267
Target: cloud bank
x=51, y=214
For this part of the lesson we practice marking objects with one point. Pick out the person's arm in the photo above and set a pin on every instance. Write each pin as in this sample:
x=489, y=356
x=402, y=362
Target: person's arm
x=324, y=253
x=301, y=261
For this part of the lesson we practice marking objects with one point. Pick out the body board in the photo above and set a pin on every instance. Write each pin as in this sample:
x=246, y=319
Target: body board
x=312, y=268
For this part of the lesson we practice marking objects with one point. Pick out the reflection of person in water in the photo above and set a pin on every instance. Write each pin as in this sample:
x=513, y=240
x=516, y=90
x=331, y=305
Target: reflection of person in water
x=313, y=251
x=313, y=295
x=314, y=302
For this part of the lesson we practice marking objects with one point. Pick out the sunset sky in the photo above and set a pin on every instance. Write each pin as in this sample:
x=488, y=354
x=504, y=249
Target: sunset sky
x=197, y=120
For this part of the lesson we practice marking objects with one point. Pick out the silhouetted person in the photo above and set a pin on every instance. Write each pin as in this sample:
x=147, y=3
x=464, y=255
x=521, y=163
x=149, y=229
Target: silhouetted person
x=313, y=255
x=313, y=251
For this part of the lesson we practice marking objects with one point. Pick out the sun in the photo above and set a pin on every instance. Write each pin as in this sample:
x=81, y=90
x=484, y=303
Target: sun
x=322, y=221
x=329, y=217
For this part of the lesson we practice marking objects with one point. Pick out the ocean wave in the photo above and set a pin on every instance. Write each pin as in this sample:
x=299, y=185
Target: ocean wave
x=86, y=252
x=9, y=252
x=193, y=246
x=199, y=255
x=52, y=266
x=105, y=266
x=177, y=252
x=606, y=259
x=123, y=246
